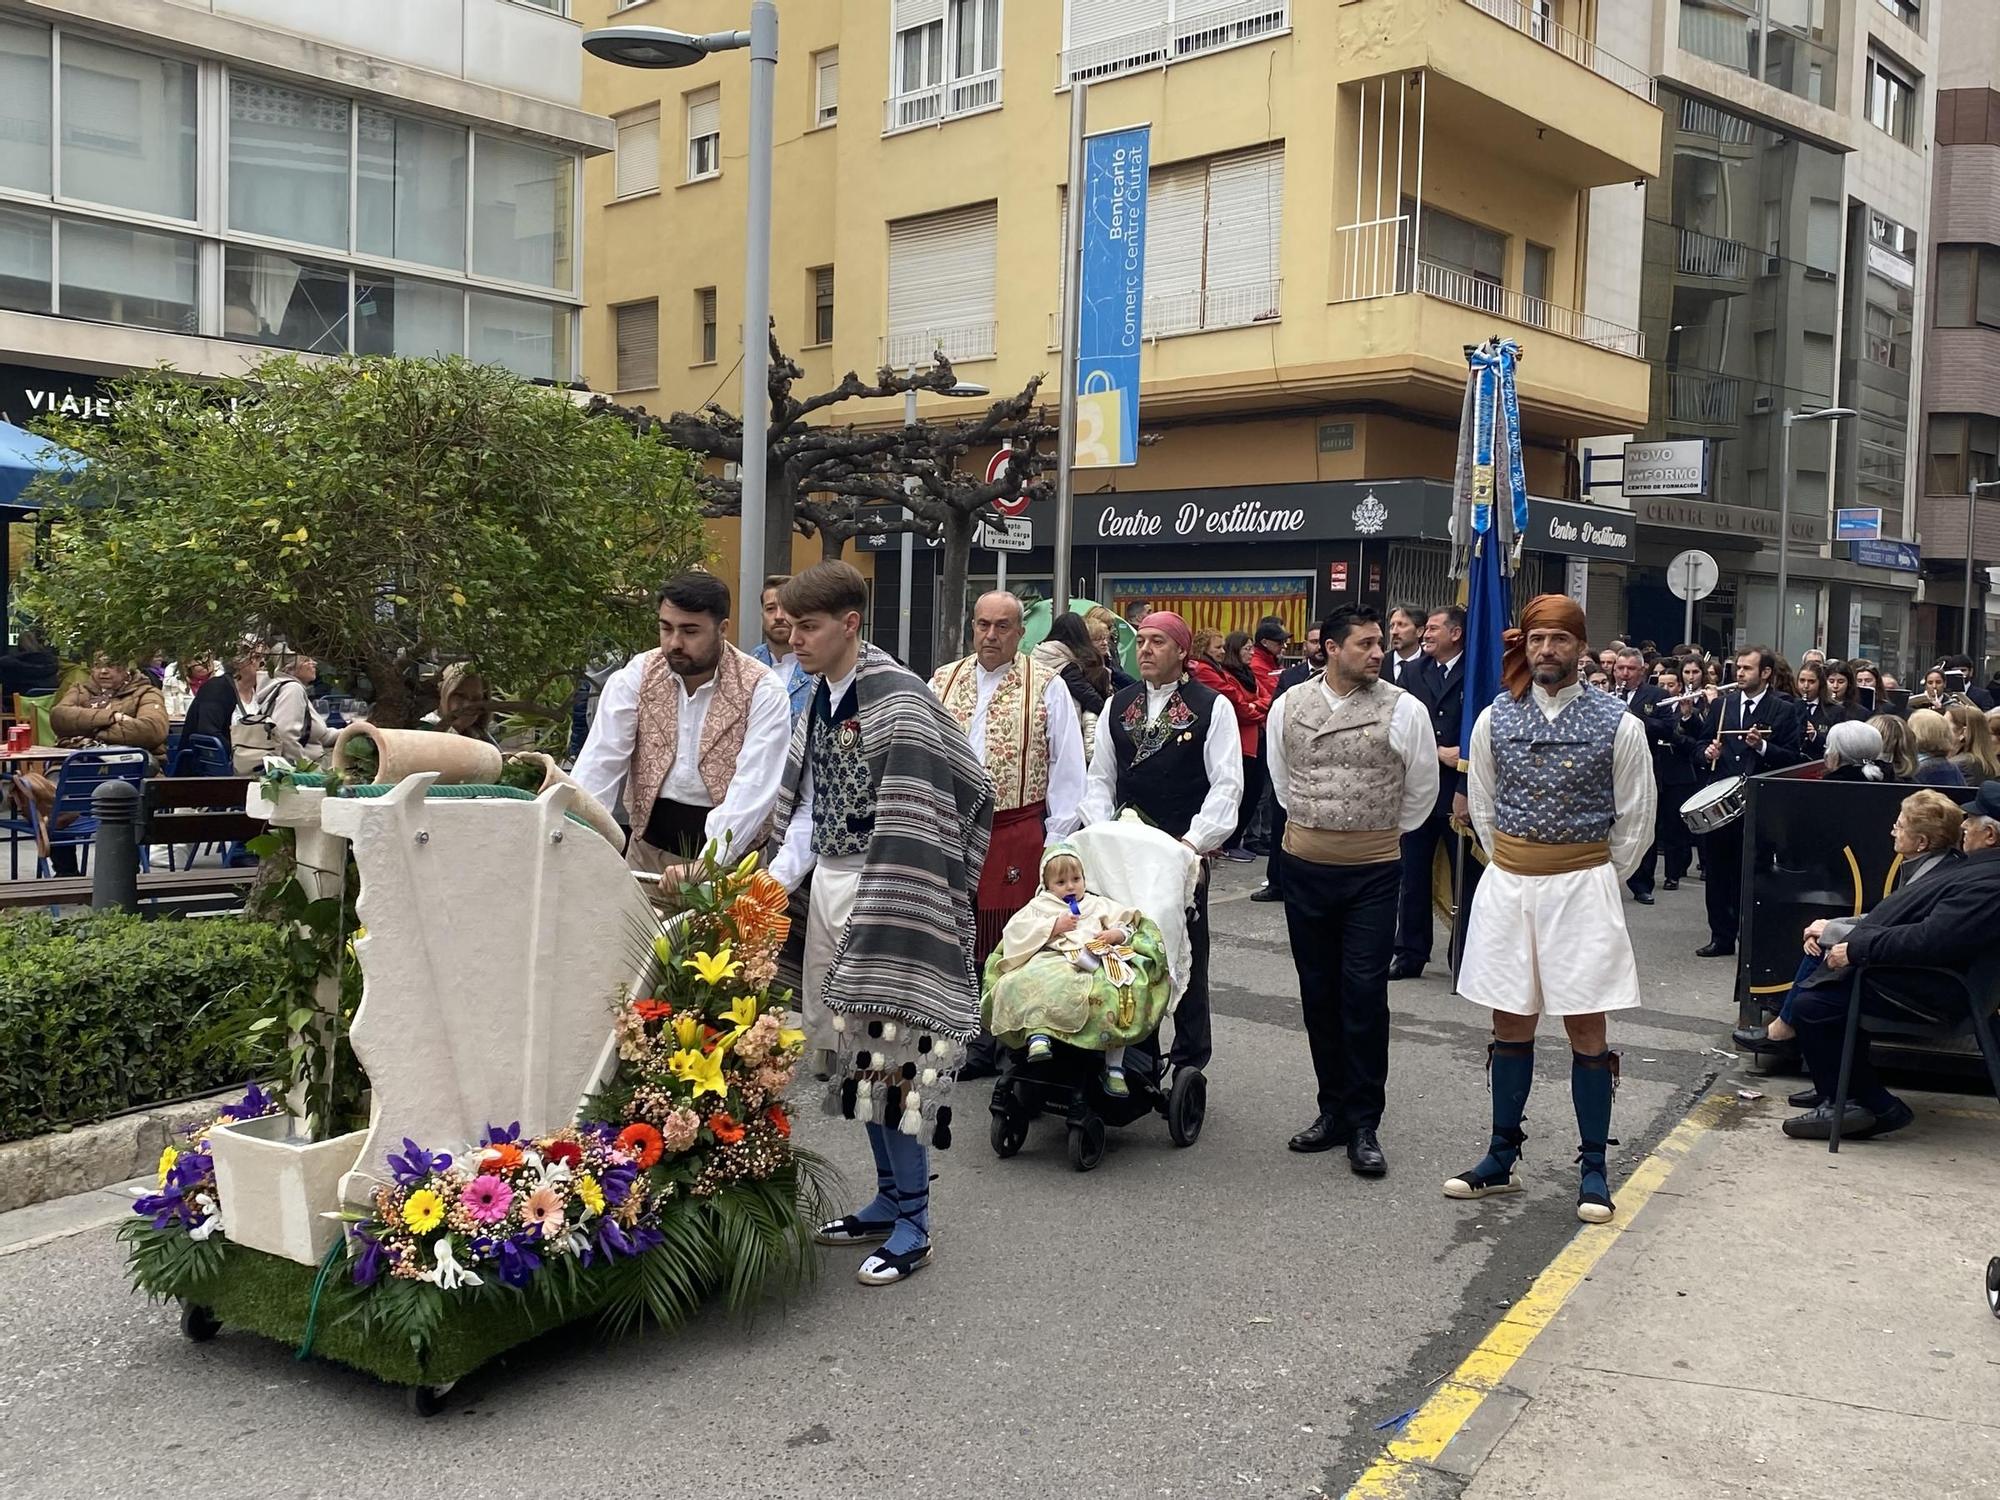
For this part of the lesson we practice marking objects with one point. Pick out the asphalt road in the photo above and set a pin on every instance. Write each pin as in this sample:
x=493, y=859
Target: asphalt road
x=1227, y=1320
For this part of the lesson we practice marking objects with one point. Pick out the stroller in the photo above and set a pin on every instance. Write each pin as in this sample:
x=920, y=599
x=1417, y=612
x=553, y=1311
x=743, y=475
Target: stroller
x=1135, y=865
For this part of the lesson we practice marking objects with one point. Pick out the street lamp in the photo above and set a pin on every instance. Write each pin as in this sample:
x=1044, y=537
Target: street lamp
x=1971, y=520
x=907, y=547
x=656, y=47
x=1824, y=414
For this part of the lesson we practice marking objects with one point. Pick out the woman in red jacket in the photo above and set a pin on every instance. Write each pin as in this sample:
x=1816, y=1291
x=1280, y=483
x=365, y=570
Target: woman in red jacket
x=1224, y=665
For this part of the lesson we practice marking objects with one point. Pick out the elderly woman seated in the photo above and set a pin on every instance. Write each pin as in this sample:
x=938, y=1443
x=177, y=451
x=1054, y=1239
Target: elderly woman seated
x=1926, y=838
x=1854, y=752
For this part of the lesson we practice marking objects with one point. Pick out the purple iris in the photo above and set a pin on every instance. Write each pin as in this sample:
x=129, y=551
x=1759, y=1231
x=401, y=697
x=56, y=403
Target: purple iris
x=189, y=1168
x=164, y=1208
x=415, y=1164
x=617, y=1184
x=613, y=1239
x=518, y=1263
x=370, y=1259
x=497, y=1136
x=256, y=1103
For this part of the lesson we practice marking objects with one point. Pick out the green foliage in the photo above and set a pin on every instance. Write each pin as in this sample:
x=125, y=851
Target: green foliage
x=379, y=513
x=104, y=1012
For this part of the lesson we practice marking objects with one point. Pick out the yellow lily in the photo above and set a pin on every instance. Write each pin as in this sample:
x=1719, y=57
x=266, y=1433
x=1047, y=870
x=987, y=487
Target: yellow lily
x=702, y=1069
x=713, y=968
x=788, y=1038
x=741, y=1015
x=687, y=1030
x=663, y=951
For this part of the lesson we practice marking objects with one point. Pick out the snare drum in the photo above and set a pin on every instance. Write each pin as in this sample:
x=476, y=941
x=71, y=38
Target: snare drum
x=1717, y=806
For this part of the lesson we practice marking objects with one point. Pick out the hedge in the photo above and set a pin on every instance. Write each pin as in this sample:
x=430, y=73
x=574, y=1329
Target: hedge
x=105, y=1012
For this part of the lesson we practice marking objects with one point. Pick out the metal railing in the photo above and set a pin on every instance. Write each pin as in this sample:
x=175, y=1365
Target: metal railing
x=1205, y=311
x=942, y=101
x=1193, y=29
x=1705, y=255
x=1536, y=21
x=955, y=341
x=1704, y=400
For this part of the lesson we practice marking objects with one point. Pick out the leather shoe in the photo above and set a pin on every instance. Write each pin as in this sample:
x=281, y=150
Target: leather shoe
x=1322, y=1135
x=1364, y=1155
x=1405, y=968
x=1670, y=885
x=1716, y=950
x=1805, y=1099
x=1816, y=1124
x=1644, y=898
x=1758, y=1040
x=1888, y=1120
x=1267, y=893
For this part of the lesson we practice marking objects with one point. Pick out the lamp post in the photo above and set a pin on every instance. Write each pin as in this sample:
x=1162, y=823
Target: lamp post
x=907, y=548
x=656, y=47
x=1971, y=521
x=1824, y=414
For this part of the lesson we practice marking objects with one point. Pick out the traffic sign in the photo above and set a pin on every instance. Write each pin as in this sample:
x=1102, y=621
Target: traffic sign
x=996, y=467
x=1018, y=535
x=1693, y=575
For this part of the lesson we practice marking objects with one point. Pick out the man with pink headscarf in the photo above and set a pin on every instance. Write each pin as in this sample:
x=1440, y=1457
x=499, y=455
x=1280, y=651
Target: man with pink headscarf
x=1174, y=755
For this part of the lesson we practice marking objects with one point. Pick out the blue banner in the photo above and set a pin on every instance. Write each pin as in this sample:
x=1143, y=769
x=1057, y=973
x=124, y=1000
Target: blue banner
x=1113, y=292
x=1904, y=557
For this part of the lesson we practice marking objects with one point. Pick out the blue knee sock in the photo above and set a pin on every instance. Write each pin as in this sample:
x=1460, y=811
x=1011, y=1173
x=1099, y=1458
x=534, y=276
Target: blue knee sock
x=1510, y=1070
x=1590, y=1086
x=881, y=1209
x=913, y=1192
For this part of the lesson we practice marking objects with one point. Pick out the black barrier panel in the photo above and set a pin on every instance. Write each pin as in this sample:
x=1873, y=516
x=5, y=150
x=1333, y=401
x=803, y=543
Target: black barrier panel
x=1814, y=849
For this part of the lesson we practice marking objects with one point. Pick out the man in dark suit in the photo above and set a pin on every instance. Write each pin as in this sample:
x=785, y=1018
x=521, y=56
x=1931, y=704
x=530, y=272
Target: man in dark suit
x=1944, y=921
x=1441, y=689
x=1743, y=732
x=1406, y=661
x=1630, y=687
x=1273, y=888
x=1675, y=777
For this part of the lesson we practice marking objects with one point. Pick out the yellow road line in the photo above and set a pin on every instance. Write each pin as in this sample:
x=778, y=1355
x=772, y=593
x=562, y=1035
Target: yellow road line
x=1424, y=1437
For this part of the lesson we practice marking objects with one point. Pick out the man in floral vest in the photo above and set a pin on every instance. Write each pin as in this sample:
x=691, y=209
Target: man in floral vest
x=693, y=735
x=1174, y=755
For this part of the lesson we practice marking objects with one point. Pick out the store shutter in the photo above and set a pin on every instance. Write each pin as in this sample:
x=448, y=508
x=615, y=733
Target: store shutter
x=638, y=330
x=638, y=169
x=1420, y=576
x=941, y=285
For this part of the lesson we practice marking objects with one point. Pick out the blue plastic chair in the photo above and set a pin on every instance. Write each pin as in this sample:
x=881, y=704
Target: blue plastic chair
x=79, y=776
x=196, y=755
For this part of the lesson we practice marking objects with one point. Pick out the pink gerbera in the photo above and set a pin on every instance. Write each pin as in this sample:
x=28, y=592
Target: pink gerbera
x=487, y=1199
x=542, y=1211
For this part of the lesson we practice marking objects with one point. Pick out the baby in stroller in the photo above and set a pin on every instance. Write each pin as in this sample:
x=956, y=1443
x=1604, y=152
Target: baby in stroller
x=1075, y=967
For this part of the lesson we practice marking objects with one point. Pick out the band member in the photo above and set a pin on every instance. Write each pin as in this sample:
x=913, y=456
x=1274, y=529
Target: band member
x=1630, y=687
x=1441, y=690
x=1176, y=756
x=1738, y=733
x=1561, y=791
x=884, y=801
x=1675, y=778
x=1354, y=762
x=1021, y=720
x=693, y=734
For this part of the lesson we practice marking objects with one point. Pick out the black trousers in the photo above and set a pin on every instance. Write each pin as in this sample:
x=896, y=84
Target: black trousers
x=1274, y=870
x=1342, y=921
x=1194, y=1042
x=1253, y=792
x=1722, y=868
x=678, y=828
x=1413, y=915
x=1670, y=837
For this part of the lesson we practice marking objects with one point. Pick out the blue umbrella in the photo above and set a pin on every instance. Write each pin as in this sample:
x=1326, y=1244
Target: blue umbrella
x=25, y=458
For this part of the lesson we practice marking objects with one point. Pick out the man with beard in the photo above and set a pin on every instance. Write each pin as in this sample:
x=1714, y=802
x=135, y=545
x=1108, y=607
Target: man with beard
x=1560, y=782
x=1406, y=663
x=775, y=650
x=693, y=734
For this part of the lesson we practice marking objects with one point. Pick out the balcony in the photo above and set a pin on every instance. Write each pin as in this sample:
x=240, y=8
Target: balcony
x=953, y=99
x=1706, y=256
x=1535, y=23
x=1694, y=399
x=1741, y=36
x=1208, y=310
x=1193, y=28
x=958, y=342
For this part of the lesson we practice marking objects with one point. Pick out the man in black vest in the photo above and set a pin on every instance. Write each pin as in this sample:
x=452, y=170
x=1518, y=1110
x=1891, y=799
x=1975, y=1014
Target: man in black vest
x=1743, y=732
x=1177, y=757
x=1441, y=690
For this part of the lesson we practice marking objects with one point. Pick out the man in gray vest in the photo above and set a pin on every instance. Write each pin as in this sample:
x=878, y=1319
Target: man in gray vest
x=1354, y=765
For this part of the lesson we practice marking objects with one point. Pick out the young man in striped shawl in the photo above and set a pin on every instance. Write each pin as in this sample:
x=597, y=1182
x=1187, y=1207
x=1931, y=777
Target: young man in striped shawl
x=885, y=803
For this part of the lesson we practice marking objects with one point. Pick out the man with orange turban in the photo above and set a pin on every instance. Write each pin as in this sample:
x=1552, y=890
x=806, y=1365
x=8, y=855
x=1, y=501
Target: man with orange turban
x=1560, y=779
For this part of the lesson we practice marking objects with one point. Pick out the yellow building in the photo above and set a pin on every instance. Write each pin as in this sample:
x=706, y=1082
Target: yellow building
x=1344, y=194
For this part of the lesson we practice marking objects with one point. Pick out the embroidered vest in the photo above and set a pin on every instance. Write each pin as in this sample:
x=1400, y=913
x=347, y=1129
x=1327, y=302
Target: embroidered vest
x=843, y=793
x=1552, y=780
x=1345, y=774
x=1017, y=726
x=1161, y=771
x=657, y=739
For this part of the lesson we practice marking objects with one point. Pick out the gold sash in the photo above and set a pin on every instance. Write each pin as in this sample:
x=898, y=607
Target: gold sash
x=1520, y=856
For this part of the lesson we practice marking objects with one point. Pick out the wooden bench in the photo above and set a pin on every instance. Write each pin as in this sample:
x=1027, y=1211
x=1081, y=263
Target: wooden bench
x=198, y=810
x=160, y=892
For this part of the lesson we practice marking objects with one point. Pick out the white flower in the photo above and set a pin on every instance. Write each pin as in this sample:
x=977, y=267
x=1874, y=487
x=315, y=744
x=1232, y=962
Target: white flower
x=550, y=1173
x=448, y=1275
x=277, y=765
x=210, y=1225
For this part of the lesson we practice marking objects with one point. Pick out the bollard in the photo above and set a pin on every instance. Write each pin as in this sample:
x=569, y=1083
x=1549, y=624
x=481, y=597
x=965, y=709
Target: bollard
x=114, y=871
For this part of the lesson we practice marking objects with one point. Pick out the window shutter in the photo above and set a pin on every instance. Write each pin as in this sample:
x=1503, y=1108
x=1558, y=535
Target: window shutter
x=1246, y=212
x=704, y=113
x=908, y=13
x=1093, y=21
x=1816, y=365
x=1176, y=234
x=827, y=100
x=638, y=166
x=638, y=328
x=941, y=284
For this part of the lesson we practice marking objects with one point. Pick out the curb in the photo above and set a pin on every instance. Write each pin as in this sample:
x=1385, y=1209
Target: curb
x=1408, y=1466
x=64, y=1163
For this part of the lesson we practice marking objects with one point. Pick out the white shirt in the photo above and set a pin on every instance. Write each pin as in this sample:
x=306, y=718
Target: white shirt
x=1632, y=790
x=1409, y=736
x=795, y=858
x=760, y=765
x=1221, y=756
x=1404, y=665
x=1065, y=748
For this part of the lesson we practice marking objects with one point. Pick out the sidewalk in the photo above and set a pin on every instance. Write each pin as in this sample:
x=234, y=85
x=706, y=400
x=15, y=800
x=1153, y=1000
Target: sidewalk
x=1774, y=1322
